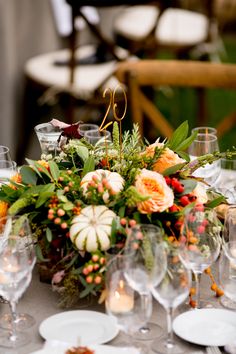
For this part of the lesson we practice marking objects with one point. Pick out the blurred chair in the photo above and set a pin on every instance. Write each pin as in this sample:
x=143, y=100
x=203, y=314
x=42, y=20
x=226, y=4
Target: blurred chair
x=158, y=73
x=181, y=31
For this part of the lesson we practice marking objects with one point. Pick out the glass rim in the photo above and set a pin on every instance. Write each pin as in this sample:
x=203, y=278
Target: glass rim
x=212, y=137
x=44, y=125
x=4, y=147
x=101, y=134
x=211, y=129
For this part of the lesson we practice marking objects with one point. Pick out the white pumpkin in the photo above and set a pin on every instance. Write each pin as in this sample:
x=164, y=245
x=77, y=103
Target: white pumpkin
x=114, y=179
x=92, y=228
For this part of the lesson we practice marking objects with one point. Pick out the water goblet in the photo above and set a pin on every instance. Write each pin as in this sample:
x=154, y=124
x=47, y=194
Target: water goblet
x=22, y=321
x=146, y=255
x=14, y=268
x=126, y=304
x=170, y=293
x=226, y=183
x=48, y=136
x=227, y=274
x=202, y=145
x=200, y=242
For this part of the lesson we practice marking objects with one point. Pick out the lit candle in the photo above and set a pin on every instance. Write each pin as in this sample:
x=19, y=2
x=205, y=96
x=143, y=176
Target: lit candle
x=120, y=301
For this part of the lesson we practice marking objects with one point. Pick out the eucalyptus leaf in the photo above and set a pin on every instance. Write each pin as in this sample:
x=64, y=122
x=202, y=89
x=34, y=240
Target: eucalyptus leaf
x=68, y=206
x=29, y=176
x=55, y=172
x=82, y=152
x=89, y=288
x=214, y=203
x=39, y=254
x=173, y=169
x=89, y=166
x=48, y=234
x=189, y=185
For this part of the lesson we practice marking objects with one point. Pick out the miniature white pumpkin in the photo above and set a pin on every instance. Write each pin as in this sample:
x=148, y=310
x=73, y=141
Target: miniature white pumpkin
x=92, y=228
x=114, y=180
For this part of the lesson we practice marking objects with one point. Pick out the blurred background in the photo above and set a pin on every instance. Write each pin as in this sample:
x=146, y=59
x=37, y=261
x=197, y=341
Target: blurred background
x=35, y=71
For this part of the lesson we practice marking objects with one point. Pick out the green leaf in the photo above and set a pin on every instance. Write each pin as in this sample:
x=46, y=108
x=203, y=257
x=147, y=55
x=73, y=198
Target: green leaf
x=121, y=212
x=187, y=142
x=179, y=135
x=38, y=168
x=214, y=203
x=89, y=288
x=68, y=206
x=184, y=155
x=189, y=185
x=39, y=254
x=48, y=234
x=173, y=169
x=28, y=175
x=89, y=166
x=82, y=152
x=45, y=193
x=55, y=172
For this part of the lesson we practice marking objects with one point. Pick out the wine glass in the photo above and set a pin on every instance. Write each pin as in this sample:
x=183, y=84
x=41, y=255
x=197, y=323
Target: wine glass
x=15, y=267
x=202, y=145
x=126, y=304
x=22, y=320
x=170, y=293
x=227, y=274
x=229, y=233
x=200, y=242
x=226, y=183
x=146, y=255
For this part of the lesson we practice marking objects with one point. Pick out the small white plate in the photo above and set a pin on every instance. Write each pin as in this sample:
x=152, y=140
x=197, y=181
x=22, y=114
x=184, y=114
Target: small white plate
x=209, y=327
x=84, y=327
x=99, y=349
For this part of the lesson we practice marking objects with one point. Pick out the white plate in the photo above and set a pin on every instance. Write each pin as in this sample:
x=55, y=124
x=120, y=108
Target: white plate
x=84, y=327
x=209, y=327
x=99, y=349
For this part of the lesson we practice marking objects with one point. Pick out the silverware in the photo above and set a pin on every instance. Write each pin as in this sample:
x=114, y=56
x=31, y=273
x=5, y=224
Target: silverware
x=213, y=350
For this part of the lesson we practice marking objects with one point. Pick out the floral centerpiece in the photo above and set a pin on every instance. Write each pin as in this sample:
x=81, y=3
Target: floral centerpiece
x=82, y=202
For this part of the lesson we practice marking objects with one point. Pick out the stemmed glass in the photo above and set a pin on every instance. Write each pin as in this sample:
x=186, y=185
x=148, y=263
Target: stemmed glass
x=21, y=320
x=7, y=170
x=200, y=242
x=229, y=250
x=171, y=292
x=227, y=274
x=202, y=145
x=126, y=304
x=15, y=267
x=146, y=255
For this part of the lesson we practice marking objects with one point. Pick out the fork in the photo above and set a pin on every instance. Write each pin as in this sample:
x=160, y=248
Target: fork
x=213, y=350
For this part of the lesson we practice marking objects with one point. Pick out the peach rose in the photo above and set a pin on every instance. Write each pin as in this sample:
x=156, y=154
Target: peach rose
x=167, y=159
x=152, y=184
x=200, y=193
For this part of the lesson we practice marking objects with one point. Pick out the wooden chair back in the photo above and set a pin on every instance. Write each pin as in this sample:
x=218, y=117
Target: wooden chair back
x=157, y=73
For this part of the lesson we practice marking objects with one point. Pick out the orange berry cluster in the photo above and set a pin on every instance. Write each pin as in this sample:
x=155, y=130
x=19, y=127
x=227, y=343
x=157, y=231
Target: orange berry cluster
x=92, y=269
x=214, y=287
x=97, y=187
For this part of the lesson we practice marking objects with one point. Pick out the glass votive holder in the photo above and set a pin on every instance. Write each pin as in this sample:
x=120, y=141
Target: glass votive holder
x=205, y=130
x=93, y=136
x=86, y=127
x=48, y=137
x=7, y=170
x=5, y=153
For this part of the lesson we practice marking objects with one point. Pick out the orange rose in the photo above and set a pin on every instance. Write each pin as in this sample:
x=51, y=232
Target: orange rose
x=152, y=184
x=167, y=159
